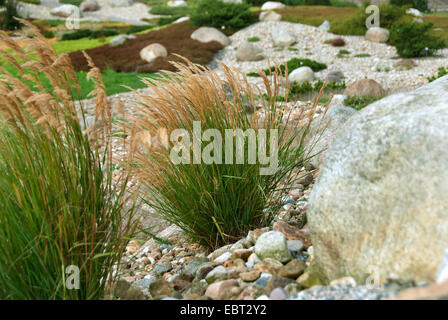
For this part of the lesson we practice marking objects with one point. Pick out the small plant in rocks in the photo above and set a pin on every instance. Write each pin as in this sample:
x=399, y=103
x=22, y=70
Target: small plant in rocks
x=442, y=71
x=362, y=55
x=296, y=90
x=253, y=39
x=359, y=102
x=291, y=65
x=343, y=53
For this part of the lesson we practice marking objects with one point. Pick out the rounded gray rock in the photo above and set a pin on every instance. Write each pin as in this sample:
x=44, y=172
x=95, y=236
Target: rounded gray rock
x=272, y=245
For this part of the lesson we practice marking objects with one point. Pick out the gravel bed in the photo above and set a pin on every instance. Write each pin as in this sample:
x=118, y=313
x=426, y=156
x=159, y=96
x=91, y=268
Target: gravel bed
x=310, y=44
x=346, y=292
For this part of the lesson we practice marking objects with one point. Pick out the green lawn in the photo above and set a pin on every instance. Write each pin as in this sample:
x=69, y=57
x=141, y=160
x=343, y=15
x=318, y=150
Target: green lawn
x=114, y=81
x=81, y=44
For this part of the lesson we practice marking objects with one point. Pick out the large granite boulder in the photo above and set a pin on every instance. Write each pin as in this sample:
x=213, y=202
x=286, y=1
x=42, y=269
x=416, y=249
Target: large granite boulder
x=379, y=207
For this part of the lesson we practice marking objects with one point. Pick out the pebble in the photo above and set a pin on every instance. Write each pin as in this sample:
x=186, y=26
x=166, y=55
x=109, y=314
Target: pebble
x=223, y=258
x=263, y=280
x=278, y=294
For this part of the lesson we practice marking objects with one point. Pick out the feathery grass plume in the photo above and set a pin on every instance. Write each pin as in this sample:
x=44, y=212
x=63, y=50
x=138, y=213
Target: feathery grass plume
x=60, y=205
x=215, y=203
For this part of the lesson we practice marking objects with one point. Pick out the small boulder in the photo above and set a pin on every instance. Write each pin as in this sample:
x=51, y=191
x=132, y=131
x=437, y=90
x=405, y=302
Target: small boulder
x=295, y=245
x=181, y=19
x=218, y=273
x=335, y=76
x=273, y=245
x=270, y=16
x=207, y=34
x=249, y=52
x=120, y=39
x=223, y=290
x=268, y=265
x=415, y=12
x=161, y=288
x=272, y=5
x=89, y=6
x=292, y=269
x=277, y=282
x=263, y=280
x=376, y=34
x=337, y=42
x=223, y=258
x=380, y=202
x=64, y=11
x=278, y=294
x=405, y=64
x=152, y=52
x=243, y=254
x=250, y=276
x=293, y=233
x=365, y=87
x=282, y=38
x=176, y=3
x=325, y=26
x=301, y=75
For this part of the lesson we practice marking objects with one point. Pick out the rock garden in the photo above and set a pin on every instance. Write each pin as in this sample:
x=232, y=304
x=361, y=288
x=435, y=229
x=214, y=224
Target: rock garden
x=104, y=173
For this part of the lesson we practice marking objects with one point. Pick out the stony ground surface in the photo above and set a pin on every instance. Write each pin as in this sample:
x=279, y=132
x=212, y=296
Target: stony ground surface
x=310, y=44
x=132, y=14
x=275, y=262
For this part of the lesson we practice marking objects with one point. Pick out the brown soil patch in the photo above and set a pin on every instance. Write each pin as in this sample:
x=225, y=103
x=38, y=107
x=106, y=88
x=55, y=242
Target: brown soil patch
x=126, y=58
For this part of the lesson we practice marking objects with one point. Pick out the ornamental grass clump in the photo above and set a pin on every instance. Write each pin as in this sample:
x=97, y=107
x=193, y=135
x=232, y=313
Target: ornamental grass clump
x=61, y=208
x=194, y=162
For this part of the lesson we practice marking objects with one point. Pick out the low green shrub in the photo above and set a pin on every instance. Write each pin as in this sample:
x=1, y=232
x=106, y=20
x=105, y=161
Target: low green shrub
x=87, y=33
x=135, y=29
x=49, y=34
x=415, y=40
x=317, y=3
x=167, y=20
x=287, y=2
x=170, y=11
x=359, y=102
x=335, y=3
x=216, y=13
x=442, y=71
x=343, y=4
x=103, y=33
x=73, y=2
x=27, y=1
x=7, y=21
x=78, y=34
x=421, y=5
